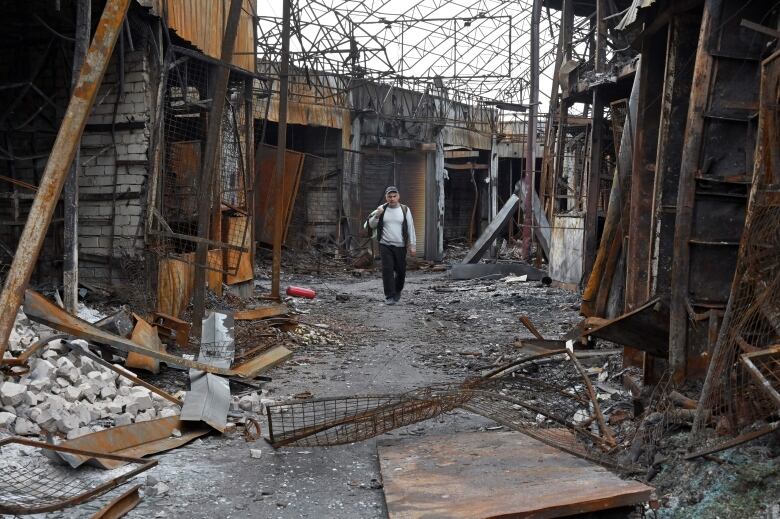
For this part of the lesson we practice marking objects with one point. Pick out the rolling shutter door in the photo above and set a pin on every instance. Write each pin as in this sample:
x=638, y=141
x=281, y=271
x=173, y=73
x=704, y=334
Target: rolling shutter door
x=410, y=173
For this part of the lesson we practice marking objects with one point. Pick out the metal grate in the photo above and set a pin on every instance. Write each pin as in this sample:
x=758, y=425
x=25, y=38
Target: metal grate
x=548, y=397
x=185, y=111
x=34, y=484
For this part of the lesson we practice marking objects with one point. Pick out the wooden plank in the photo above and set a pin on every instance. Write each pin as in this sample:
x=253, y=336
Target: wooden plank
x=263, y=362
x=469, y=475
x=261, y=313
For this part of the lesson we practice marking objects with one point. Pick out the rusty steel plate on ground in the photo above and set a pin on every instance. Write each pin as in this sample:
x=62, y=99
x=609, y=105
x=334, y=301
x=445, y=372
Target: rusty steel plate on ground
x=482, y=475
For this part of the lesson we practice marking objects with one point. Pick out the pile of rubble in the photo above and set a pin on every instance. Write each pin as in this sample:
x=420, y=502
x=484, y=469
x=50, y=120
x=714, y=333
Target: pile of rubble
x=67, y=393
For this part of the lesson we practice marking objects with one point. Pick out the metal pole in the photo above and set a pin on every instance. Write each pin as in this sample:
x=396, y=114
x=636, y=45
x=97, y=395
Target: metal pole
x=70, y=265
x=279, y=181
x=57, y=167
x=214, y=132
x=530, y=155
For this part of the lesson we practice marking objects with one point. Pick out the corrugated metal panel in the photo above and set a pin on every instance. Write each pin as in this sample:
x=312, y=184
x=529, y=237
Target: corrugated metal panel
x=376, y=174
x=202, y=23
x=411, y=184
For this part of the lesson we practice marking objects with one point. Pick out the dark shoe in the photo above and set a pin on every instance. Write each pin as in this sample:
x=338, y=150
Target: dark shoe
x=390, y=301
x=397, y=297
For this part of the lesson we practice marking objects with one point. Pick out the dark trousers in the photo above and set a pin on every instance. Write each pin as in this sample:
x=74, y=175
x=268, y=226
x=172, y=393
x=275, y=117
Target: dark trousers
x=393, y=269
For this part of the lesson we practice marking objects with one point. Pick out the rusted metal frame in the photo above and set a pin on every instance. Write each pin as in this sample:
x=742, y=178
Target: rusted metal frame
x=598, y=440
x=127, y=374
x=599, y=281
x=199, y=240
x=747, y=360
x=279, y=177
x=606, y=431
x=157, y=135
x=120, y=505
x=643, y=173
x=694, y=131
x=590, y=241
x=601, y=35
x=531, y=328
x=542, y=384
x=547, y=184
x=530, y=131
x=743, y=438
x=249, y=177
x=57, y=167
x=213, y=140
x=70, y=265
x=523, y=360
x=82, y=498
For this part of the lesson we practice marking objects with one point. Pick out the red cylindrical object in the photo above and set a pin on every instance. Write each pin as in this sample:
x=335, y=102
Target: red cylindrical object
x=308, y=293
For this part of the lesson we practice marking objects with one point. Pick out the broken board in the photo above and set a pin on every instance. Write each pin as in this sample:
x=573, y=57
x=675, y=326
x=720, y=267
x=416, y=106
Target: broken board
x=481, y=475
x=646, y=328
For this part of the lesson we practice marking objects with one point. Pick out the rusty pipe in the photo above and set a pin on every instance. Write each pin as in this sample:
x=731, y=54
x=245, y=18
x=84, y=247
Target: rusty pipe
x=60, y=159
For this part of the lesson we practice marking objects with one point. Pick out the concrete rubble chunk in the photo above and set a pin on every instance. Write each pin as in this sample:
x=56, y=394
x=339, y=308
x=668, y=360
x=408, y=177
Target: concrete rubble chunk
x=64, y=364
x=12, y=394
x=62, y=382
x=24, y=427
x=67, y=422
x=6, y=419
x=30, y=398
x=108, y=391
x=255, y=453
x=40, y=385
x=50, y=355
x=81, y=431
x=138, y=403
x=42, y=370
x=71, y=394
x=123, y=419
x=168, y=412
x=146, y=416
x=89, y=392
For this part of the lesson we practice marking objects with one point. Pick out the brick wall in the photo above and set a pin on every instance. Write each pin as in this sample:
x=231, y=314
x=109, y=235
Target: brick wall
x=114, y=169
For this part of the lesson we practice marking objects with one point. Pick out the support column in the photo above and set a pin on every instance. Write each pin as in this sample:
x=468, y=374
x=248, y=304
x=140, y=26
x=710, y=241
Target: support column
x=70, y=265
x=530, y=154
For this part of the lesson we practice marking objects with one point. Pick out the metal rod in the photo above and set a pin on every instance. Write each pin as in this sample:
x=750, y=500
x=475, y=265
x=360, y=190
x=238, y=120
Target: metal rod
x=279, y=181
x=57, y=167
x=213, y=138
x=70, y=265
x=530, y=156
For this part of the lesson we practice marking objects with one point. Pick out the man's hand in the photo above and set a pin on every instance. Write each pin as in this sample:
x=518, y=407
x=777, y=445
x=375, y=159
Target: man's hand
x=379, y=211
x=413, y=250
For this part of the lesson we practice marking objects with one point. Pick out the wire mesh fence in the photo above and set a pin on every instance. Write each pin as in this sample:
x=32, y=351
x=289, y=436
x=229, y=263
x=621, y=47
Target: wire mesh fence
x=548, y=397
x=733, y=405
x=30, y=482
x=185, y=111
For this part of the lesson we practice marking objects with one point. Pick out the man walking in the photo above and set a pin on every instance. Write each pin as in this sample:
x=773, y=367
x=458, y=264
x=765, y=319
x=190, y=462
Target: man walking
x=395, y=231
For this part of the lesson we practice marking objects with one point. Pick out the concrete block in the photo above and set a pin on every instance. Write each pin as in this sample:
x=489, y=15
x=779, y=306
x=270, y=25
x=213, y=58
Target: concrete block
x=108, y=391
x=30, y=398
x=67, y=422
x=169, y=411
x=12, y=394
x=114, y=407
x=123, y=419
x=81, y=431
x=42, y=370
x=146, y=416
x=89, y=391
x=6, y=419
x=94, y=375
x=24, y=427
x=138, y=403
x=62, y=382
x=71, y=394
x=64, y=364
x=124, y=390
x=40, y=385
x=50, y=355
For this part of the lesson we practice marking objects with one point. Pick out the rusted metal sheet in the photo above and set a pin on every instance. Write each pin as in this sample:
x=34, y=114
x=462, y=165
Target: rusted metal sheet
x=646, y=328
x=202, y=23
x=491, y=475
x=145, y=335
x=120, y=505
x=38, y=309
x=237, y=231
x=267, y=198
x=58, y=165
x=135, y=440
x=176, y=278
x=493, y=230
x=412, y=172
x=18, y=496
